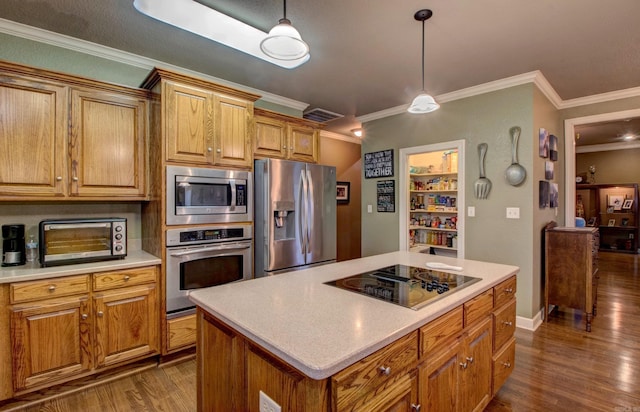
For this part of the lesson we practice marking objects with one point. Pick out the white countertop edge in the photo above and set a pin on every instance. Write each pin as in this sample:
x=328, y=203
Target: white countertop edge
x=33, y=271
x=321, y=371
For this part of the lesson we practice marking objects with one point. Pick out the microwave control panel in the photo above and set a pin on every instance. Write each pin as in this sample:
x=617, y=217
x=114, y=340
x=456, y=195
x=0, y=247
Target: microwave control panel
x=178, y=237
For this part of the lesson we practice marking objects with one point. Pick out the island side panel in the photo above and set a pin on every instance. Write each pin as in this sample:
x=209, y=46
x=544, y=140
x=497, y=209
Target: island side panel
x=232, y=371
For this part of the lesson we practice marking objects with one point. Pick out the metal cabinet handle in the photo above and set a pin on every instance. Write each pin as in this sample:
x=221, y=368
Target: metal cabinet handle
x=506, y=364
x=219, y=150
x=209, y=149
x=284, y=147
x=463, y=365
x=506, y=323
x=84, y=316
x=126, y=277
x=100, y=313
x=508, y=290
x=415, y=407
x=52, y=288
x=385, y=371
x=74, y=178
x=59, y=178
x=470, y=359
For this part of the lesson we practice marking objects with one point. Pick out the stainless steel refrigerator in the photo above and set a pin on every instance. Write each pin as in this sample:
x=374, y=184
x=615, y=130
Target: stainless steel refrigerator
x=295, y=215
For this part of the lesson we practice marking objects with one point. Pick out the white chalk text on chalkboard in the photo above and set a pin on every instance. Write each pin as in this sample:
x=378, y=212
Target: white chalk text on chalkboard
x=378, y=164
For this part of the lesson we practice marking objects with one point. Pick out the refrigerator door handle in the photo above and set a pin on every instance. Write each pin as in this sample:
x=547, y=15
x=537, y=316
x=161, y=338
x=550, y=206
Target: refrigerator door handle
x=302, y=217
x=310, y=212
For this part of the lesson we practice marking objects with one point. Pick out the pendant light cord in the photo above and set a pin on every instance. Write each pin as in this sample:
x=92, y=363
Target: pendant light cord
x=422, y=54
x=285, y=9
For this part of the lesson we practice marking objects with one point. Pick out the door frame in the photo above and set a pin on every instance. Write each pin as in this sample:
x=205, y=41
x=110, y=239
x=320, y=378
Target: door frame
x=570, y=154
x=403, y=190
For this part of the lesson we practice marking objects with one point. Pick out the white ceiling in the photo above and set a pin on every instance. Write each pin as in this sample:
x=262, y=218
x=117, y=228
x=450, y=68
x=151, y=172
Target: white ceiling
x=365, y=55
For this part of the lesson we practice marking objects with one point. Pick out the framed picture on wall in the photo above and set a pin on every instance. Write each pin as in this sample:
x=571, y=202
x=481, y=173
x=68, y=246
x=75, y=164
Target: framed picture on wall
x=612, y=222
x=543, y=140
x=627, y=204
x=342, y=192
x=615, y=201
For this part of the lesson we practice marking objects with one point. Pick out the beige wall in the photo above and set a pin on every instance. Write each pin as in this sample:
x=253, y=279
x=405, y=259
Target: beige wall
x=614, y=166
x=345, y=156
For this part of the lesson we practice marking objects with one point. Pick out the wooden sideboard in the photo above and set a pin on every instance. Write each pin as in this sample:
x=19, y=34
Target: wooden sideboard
x=571, y=269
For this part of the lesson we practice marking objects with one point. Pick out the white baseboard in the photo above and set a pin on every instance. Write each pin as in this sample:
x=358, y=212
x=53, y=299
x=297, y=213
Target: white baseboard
x=529, y=324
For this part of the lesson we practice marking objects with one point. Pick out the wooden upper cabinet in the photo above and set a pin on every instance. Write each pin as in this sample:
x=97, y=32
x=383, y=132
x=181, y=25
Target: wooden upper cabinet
x=285, y=137
x=33, y=159
x=303, y=143
x=203, y=123
x=188, y=124
x=65, y=137
x=107, y=145
x=232, y=131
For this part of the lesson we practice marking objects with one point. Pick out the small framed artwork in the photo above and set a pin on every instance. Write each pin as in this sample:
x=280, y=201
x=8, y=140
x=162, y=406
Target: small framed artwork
x=553, y=147
x=543, y=199
x=592, y=221
x=548, y=170
x=627, y=204
x=342, y=192
x=543, y=137
x=616, y=201
x=553, y=195
x=612, y=222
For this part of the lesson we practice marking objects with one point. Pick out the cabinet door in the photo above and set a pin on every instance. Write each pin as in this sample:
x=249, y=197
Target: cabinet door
x=232, y=124
x=33, y=134
x=439, y=378
x=270, y=138
x=476, y=375
x=50, y=340
x=400, y=397
x=303, y=143
x=188, y=123
x=127, y=324
x=107, y=143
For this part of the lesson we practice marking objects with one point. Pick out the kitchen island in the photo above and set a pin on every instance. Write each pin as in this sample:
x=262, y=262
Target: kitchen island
x=311, y=346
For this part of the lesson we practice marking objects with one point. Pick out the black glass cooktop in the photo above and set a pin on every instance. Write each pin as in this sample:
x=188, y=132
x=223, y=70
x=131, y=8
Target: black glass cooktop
x=408, y=286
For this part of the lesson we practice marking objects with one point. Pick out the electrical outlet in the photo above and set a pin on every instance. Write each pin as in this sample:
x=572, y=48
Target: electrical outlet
x=513, y=213
x=369, y=208
x=267, y=404
x=471, y=211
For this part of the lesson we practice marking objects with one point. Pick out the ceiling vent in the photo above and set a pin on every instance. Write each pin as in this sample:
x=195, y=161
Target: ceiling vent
x=321, y=115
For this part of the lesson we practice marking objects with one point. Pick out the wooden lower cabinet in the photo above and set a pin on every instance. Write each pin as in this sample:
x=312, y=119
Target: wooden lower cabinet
x=458, y=377
x=181, y=332
x=449, y=364
x=51, y=340
x=56, y=338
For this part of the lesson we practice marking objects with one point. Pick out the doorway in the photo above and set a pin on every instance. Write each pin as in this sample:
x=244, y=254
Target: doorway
x=570, y=153
x=439, y=172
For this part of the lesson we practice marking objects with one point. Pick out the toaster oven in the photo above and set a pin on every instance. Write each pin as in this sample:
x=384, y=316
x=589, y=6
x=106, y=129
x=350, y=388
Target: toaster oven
x=69, y=241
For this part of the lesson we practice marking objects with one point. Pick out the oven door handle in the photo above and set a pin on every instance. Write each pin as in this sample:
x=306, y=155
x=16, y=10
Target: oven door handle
x=210, y=249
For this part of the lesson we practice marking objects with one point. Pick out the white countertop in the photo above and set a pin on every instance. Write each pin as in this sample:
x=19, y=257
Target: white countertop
x=33, y=271
x=320, y=329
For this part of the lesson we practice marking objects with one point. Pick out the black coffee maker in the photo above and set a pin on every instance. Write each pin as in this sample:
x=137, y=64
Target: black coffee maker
x=13, y=253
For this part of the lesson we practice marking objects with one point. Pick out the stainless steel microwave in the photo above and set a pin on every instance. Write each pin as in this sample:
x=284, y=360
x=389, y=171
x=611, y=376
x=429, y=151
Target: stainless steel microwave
x=201, y=195
x=66, y=241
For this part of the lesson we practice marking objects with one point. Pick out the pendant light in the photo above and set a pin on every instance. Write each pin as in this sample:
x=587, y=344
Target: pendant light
x=424, y=102
x=283, y=41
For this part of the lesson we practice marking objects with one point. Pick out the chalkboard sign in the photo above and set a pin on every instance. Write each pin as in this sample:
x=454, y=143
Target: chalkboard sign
x=378, y=164
x=386, y=196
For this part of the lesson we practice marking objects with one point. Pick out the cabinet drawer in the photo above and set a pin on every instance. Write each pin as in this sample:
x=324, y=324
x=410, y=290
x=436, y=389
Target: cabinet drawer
x=438, y=332
x=504, y=324
x=504, y=291
x=121, y=278
x=503, y=363
x=364, y=377
x=48, y=288
x=181, y=332
x=478, y=307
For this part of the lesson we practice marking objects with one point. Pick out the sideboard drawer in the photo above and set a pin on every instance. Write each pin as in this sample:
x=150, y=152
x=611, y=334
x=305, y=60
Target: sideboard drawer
x=478, y=307
x=121, y=278
x=48, y=288
x=505, y=291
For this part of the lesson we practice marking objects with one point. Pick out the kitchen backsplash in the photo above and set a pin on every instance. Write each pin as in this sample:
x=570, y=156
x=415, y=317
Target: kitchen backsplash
x=30, y=214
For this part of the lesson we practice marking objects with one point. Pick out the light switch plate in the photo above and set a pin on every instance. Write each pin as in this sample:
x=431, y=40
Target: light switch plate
x=369, y=208
x=267, y=404
x=513, y=213
x=471, y=211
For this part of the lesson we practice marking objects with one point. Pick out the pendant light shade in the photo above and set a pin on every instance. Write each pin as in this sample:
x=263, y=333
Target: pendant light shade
x=424, y=102
x=283, y=41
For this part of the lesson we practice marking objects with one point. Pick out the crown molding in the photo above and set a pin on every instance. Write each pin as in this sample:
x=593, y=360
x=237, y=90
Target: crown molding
x=607, y=147
x=82, y=46
x=325, y=134
x=601, y=98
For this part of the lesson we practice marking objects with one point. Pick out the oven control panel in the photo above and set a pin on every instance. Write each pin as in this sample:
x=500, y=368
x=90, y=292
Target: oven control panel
x=186, y=236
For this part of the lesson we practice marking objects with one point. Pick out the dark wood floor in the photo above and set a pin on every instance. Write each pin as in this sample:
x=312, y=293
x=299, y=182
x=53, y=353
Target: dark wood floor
x=559, y=367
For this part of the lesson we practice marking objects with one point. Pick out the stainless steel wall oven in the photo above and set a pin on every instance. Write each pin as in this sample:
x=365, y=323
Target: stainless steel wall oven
x=202, y=257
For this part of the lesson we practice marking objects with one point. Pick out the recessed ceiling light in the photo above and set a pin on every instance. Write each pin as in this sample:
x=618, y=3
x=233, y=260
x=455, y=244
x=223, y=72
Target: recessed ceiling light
x=357, y=132
x=208, y=23
x=629, y=137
